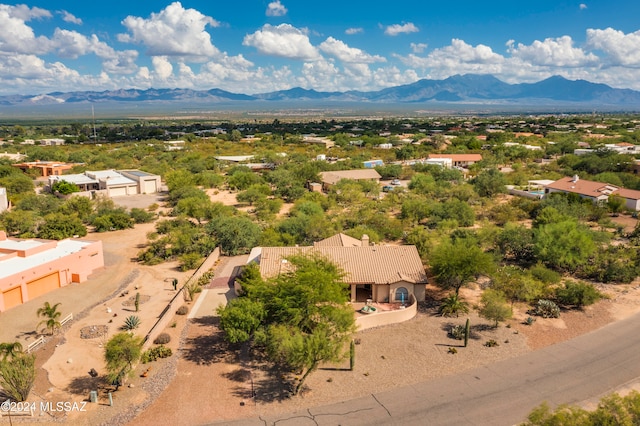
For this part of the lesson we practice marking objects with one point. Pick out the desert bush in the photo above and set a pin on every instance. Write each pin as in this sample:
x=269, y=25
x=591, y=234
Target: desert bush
x=183, y=310
x=156, y=353
x=162, y=339
x=546, y=309
x=577, y=294
x=457, y=332
x=491, y=343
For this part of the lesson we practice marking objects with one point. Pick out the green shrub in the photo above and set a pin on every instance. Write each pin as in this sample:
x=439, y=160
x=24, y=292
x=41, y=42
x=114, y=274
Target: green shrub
x=577, y=294
x=544, y=274
x=491, y=343
x=162, y=339
x=156, y=353
x=457, y=332
x=546, y=309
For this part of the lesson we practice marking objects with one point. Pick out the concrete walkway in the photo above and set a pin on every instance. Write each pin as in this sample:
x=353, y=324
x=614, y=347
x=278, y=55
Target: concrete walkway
x=503, y=393
x=220, y=290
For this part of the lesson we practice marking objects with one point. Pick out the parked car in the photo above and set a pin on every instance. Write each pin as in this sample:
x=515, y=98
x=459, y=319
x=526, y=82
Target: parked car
x=395, y=182
x=387, y=188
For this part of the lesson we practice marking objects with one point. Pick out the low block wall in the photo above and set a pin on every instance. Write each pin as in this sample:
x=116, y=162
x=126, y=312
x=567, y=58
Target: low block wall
x=525, y=194
x=178, y=300
x=390, y=317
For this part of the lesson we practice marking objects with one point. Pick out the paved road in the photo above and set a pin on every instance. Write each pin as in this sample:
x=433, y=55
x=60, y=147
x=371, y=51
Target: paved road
x=502, y=393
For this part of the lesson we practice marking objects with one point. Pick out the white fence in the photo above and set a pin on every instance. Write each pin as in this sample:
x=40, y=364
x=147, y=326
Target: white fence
x=39, y=341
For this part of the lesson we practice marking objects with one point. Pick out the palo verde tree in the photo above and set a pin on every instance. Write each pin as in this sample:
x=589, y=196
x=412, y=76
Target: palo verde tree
x=17, y=372
x=301, y=316
x=121, y=352
x=456, y=263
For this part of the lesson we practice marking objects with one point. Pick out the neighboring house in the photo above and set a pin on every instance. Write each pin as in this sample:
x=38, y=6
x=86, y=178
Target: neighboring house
x=598, y=192
x=379, y=273
x=47, y=168
x=31, y=267
x=459, y=160
x=112, y=183
x=51, y=142
x=177, y=145
x=331, y=178
x=370, y=164
x=4, y=200
x=13, y=157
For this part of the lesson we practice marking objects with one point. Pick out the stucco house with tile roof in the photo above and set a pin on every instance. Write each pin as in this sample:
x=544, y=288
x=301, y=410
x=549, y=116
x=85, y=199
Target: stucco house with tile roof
x=598, y=192
x=458, y=160
x=329, y=179
x=376, y=272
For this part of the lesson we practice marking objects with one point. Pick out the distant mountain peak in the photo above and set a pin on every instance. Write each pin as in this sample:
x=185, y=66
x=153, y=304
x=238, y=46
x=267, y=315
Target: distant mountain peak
x=460, y=88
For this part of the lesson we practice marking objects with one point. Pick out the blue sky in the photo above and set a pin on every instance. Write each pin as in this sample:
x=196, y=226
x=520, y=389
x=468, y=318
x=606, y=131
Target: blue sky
x=255, y=46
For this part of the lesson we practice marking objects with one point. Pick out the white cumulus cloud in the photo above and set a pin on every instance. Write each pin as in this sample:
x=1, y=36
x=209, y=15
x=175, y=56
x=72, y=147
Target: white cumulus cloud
x=18, y=37
x=583, y=6
x=418, y=47
x=558, y=52
x=68, y=17
x=275, y=8
x=72, y=44
x=175, y=31
x=619, y=48
x=343, y=52
x=284, y=40
x=162, y=67
x=352, y=31
x=395, y=29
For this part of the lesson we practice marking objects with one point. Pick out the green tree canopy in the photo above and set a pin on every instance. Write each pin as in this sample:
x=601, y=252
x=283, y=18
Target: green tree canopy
x=456, y=263
x=121, y=352
x=303, y=313
x=564, y=245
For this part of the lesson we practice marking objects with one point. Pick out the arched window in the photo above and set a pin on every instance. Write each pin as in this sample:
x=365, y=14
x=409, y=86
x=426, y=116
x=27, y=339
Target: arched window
x=402, y=295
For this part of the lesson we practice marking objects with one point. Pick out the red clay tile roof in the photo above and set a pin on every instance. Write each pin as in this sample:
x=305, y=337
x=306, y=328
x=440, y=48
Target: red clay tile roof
x=592, y=189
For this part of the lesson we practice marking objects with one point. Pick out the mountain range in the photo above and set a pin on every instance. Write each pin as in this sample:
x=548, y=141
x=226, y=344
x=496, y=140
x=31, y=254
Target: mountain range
x=458, y=89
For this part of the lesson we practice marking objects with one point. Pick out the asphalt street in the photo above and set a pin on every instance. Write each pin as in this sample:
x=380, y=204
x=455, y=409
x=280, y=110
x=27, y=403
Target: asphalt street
x=503, y=393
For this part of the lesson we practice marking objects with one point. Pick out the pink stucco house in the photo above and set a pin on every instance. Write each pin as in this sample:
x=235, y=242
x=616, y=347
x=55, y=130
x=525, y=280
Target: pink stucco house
x=32, y=267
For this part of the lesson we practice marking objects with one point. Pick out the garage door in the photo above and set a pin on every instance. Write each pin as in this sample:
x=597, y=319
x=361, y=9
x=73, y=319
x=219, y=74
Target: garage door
x=12, y=297
x=117, y=192
x=150, y=187
x=43, y=285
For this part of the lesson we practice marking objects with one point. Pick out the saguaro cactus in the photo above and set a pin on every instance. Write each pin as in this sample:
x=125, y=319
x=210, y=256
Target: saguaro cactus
x=466, y=333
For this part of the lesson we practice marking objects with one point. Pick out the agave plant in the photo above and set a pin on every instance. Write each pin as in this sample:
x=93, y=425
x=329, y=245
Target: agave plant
x=131, y=323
